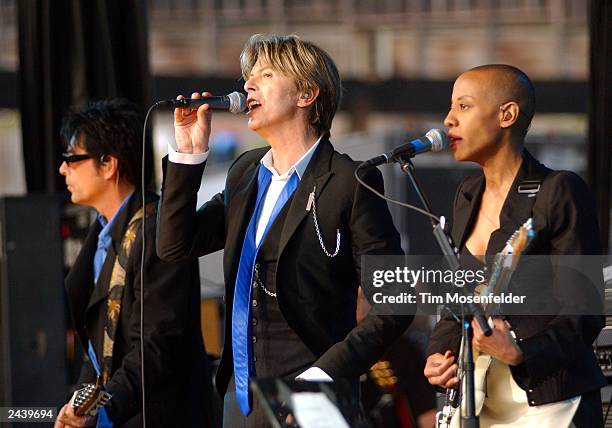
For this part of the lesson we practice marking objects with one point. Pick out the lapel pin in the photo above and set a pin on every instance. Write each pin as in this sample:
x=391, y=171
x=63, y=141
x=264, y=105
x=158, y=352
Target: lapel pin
x=311, y=198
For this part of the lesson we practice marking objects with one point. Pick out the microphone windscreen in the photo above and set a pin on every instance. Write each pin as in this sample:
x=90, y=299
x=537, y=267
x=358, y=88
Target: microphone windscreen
x=237, y=102
x=438, y=139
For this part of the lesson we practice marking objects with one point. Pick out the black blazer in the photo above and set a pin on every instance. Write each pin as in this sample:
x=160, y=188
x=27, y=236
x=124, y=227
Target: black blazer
x=316, y=294
x=178, y=384
x=559, y=361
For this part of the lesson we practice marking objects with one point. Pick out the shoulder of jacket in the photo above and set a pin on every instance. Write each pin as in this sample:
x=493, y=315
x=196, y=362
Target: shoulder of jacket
x=468, y=183
x=564, y=178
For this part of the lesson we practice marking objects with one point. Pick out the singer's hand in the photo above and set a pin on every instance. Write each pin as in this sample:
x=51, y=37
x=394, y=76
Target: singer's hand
x=500, y=345
x=441, y=370
x=192, y=126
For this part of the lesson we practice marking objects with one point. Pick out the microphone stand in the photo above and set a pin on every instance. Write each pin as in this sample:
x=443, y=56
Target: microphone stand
x=451, y=254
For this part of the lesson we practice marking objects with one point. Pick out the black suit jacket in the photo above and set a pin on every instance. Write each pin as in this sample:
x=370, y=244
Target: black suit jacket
x=178, y=384
x=559, y=361
x=316, y=294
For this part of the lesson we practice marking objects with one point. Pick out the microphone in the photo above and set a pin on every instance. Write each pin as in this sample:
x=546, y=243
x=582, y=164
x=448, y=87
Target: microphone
x=435, y=140
x=234, y=102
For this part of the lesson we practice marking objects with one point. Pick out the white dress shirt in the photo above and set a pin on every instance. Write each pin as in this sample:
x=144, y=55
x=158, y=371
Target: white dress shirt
x=277, y=185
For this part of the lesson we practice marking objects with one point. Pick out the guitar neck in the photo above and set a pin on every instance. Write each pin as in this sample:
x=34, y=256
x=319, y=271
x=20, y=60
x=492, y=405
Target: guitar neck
x=501, y=285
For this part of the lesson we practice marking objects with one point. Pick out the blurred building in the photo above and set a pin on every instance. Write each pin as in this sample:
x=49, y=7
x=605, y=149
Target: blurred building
x=398, y=59
x=369, y=39
x=378, y=39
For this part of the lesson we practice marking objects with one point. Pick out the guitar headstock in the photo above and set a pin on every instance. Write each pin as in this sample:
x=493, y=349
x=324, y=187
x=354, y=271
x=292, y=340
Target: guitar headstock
x=517, y=243
x=87, y=400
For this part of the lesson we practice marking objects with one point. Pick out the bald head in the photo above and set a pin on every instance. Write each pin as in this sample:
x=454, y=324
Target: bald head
x=508, y=84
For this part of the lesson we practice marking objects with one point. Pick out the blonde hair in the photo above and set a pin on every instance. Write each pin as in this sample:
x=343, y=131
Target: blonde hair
x=310, y=67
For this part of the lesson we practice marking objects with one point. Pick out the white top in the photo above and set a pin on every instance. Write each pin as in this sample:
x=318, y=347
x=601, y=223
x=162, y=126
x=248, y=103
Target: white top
x=277, y=185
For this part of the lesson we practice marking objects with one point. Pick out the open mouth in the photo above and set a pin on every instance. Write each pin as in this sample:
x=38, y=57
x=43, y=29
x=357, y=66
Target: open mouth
x=252, y=104
x=454, y=140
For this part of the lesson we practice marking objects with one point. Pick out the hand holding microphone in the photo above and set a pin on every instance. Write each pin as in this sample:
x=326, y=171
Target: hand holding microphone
x=192, y=126
x=192, y=117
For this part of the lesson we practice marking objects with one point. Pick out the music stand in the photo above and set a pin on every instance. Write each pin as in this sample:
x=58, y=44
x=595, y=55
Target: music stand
x=276, y=396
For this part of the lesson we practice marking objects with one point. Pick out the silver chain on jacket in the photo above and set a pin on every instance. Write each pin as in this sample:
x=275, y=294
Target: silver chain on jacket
x=260, y=283
x=312, y=202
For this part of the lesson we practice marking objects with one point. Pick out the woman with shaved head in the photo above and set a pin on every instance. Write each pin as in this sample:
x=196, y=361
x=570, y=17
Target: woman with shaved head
x=544, y=372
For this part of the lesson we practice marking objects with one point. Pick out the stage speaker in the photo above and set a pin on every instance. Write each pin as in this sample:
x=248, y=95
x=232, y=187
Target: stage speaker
x=32, y=303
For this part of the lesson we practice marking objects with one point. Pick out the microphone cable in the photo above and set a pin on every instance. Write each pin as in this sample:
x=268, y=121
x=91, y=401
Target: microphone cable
x=386, y=198
x=238, y=106
x=143, y=186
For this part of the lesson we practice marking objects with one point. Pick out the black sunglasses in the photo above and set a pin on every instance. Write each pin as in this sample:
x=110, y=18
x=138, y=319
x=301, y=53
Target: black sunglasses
x=69, y=158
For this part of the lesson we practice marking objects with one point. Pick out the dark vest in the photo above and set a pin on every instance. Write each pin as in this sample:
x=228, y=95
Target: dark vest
x=277, y=349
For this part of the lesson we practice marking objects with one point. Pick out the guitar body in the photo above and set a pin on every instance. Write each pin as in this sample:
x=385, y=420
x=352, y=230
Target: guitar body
x=506, y=403
x=503, y=267
x=482, y=362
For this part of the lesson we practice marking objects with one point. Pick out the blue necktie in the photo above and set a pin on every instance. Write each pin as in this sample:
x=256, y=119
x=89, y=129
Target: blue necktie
x=104, y=242
x=242, y=345
x=103, y=420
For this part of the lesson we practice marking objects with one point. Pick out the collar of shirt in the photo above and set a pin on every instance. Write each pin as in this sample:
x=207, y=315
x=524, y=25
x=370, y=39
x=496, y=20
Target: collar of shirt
x=299, y=166
x=104, y=238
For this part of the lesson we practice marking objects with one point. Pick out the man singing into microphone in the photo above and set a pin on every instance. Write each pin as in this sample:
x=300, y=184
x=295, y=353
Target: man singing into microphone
x=294, y=224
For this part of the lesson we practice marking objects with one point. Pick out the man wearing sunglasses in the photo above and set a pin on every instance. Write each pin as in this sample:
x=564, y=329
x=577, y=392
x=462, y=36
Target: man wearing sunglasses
x=102, y=167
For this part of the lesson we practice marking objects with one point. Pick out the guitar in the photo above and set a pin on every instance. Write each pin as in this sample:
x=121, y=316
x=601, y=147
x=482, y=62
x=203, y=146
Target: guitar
x=89, y=399
x=504, y=265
